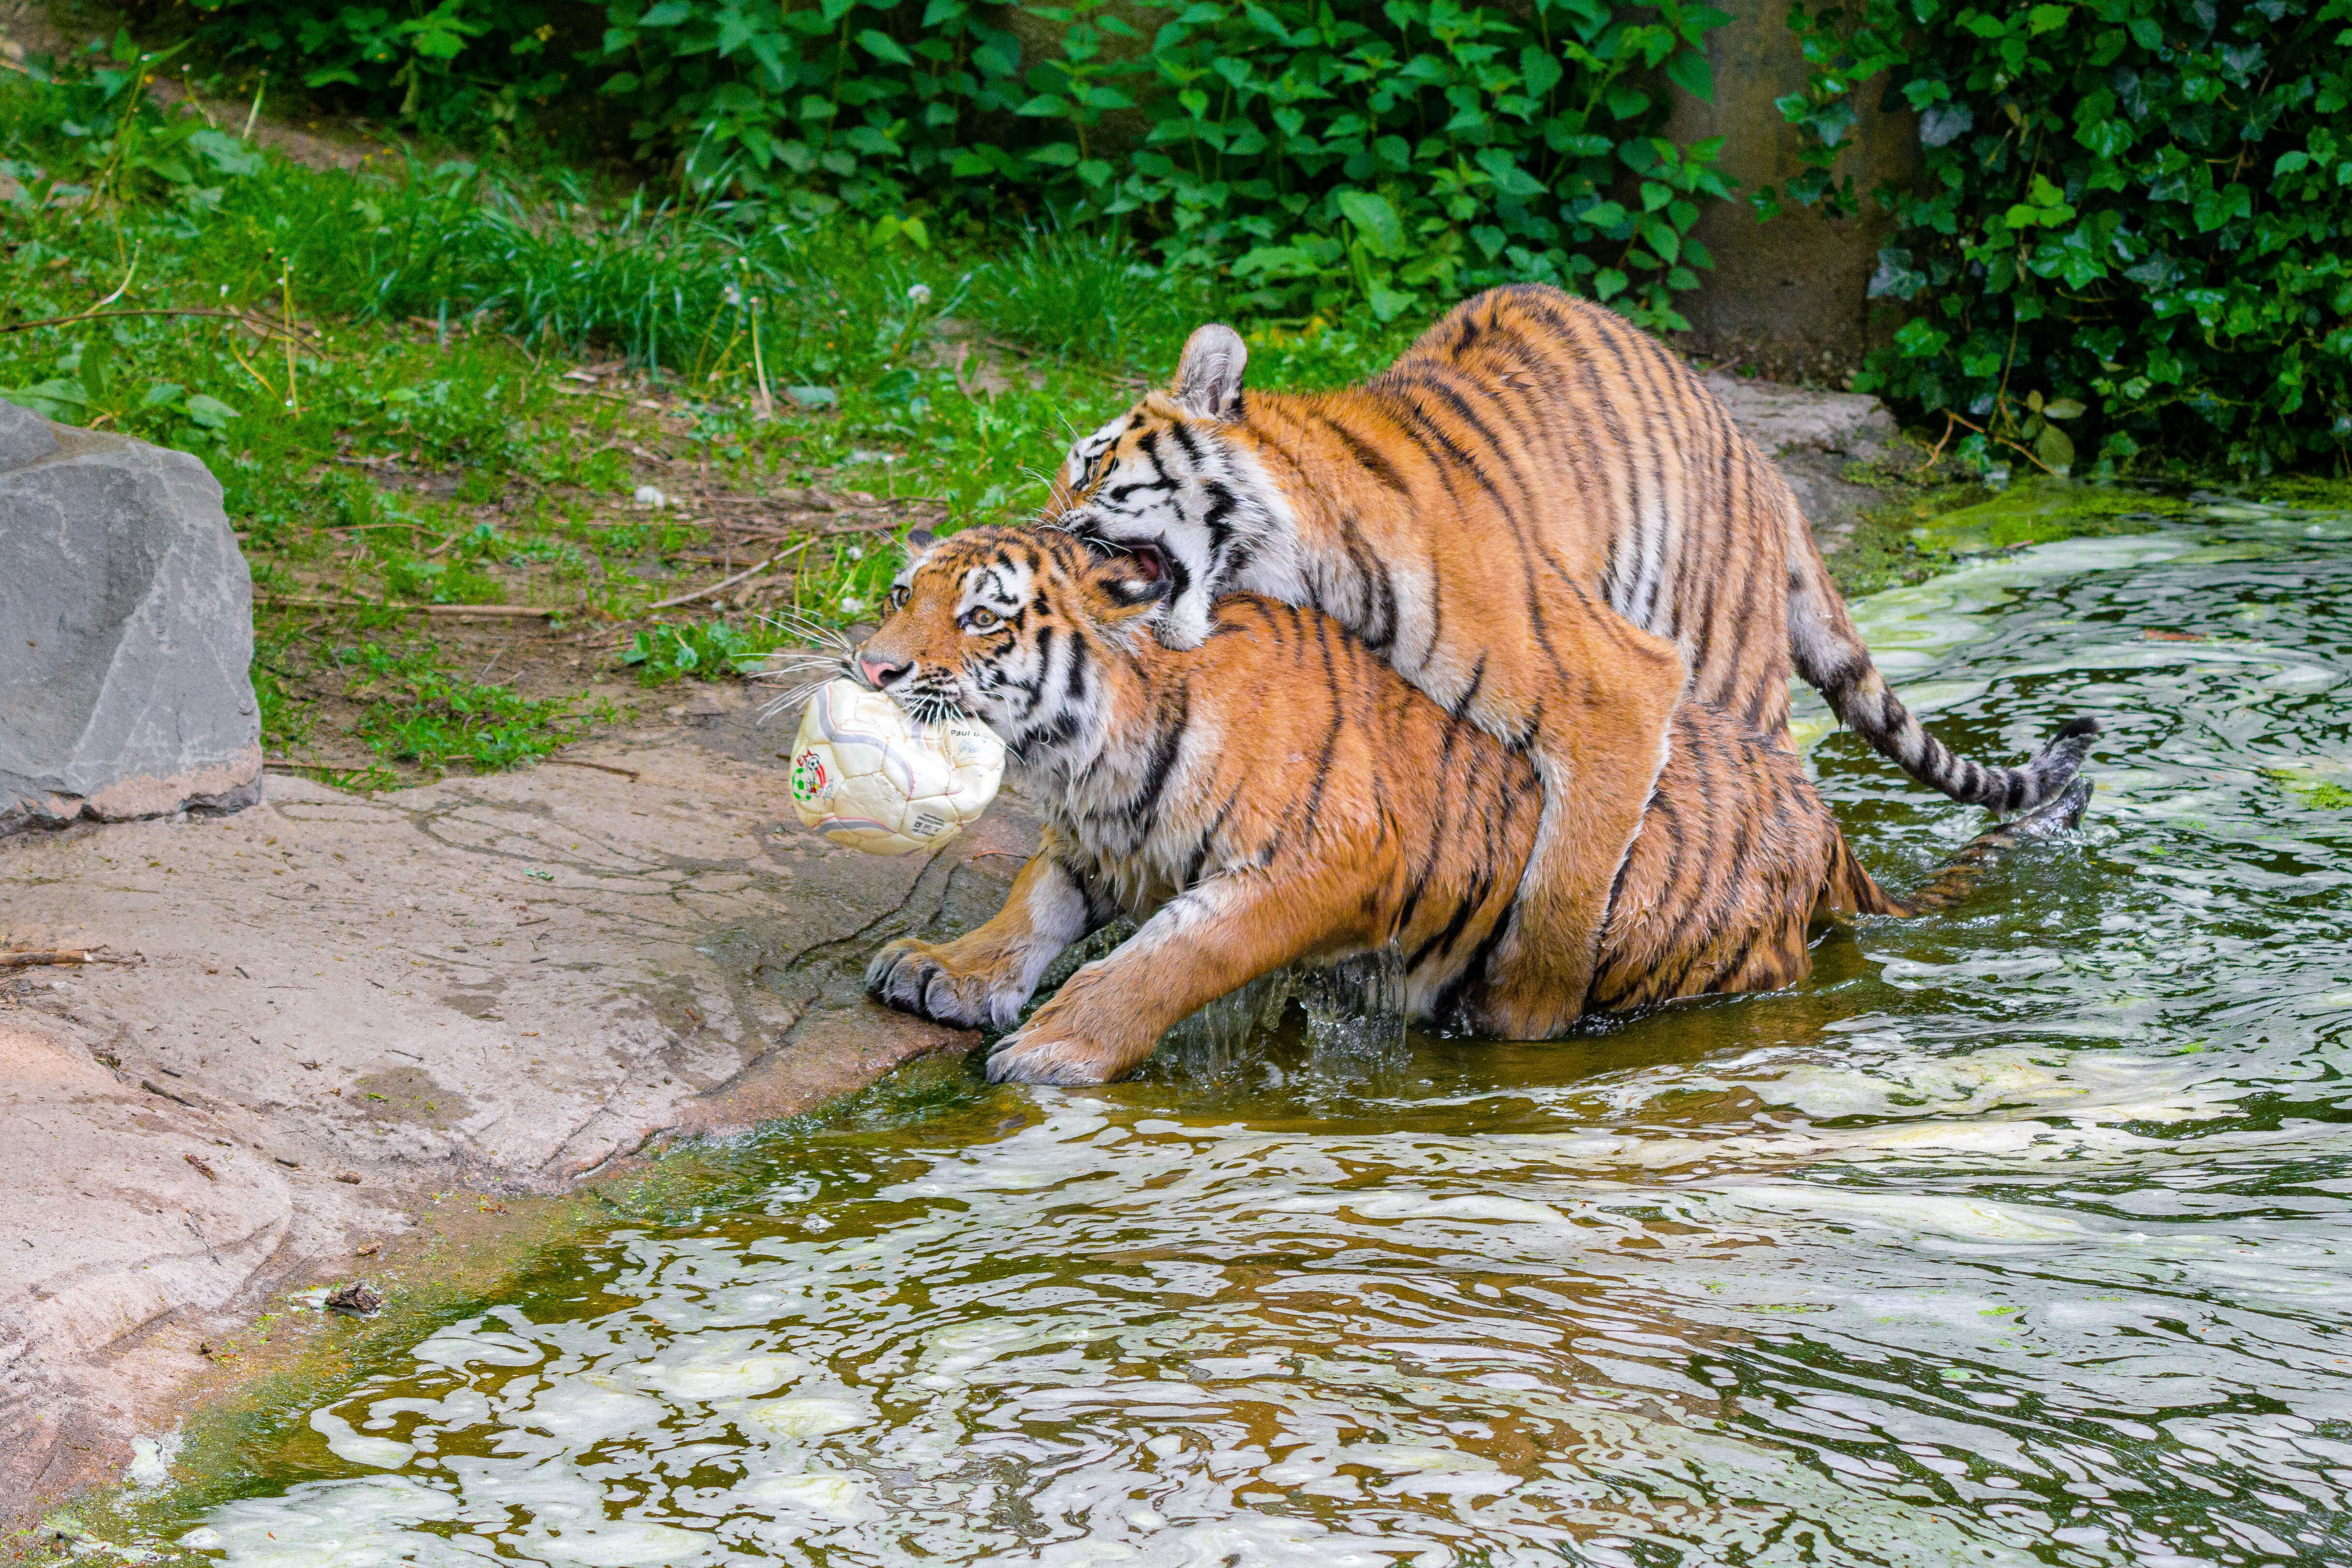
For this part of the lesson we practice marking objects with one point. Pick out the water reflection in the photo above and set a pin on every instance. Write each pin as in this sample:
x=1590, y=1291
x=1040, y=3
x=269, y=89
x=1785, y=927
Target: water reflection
x=2016, y=1235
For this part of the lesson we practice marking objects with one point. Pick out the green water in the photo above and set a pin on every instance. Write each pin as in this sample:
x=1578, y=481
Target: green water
x=2017, y=1234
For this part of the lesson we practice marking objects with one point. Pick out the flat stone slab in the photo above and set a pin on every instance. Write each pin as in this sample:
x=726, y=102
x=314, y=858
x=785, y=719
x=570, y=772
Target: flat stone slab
x=497, y=982
x=1815, y=438
x=126, y=632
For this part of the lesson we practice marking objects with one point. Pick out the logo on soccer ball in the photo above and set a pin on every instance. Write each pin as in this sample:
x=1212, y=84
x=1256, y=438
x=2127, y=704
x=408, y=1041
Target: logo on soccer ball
x=808, y=775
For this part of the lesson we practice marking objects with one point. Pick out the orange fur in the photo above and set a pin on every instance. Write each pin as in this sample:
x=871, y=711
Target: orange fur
x=1542, y=519
x=1280, y=793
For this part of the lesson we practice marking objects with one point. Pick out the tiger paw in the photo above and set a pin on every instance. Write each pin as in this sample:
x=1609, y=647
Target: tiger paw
x=1035, y=1055
x=909, y=976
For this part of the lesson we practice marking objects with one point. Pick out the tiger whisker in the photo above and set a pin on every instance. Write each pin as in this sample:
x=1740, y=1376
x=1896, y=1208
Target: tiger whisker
x=802, y=627
x=793, y=698
x=778, y=665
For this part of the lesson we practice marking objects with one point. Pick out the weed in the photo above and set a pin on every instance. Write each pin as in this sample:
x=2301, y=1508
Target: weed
x=421, y=714
x=378, y=367
x=1087, y=297
x=440, y=583
x=711, y=651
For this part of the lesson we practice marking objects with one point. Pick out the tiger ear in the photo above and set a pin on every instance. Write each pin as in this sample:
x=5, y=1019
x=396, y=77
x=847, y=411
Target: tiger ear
x=919, y=544
x=1209, y=374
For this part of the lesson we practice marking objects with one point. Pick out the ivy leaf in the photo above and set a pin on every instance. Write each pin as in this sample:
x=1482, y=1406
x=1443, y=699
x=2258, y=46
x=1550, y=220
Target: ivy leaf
x=883, y=46
x=1946, y=123
x=1895, y=279
x=1688, y=69
x=2222, y=205
x=2106, y=138
x=2056, y=448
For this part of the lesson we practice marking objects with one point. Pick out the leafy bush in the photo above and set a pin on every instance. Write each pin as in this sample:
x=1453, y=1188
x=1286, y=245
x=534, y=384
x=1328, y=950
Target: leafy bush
x=1333, y=157
x=2132, y=225
x=450, y=67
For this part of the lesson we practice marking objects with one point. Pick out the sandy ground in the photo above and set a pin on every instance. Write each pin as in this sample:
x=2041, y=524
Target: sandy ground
x=337, y=1006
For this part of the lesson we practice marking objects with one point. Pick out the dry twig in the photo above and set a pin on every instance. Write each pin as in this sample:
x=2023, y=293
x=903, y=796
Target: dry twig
x=27, y=957
x=318, y=603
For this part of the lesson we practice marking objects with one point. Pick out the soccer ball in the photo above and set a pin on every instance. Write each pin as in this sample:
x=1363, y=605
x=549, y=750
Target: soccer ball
x=872, y=778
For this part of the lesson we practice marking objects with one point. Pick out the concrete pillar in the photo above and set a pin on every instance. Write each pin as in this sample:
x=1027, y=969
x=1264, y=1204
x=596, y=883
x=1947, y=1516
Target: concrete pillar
x=1789, y=297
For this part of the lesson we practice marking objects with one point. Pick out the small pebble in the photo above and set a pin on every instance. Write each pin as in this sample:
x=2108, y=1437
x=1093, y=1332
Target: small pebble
x=648, y=495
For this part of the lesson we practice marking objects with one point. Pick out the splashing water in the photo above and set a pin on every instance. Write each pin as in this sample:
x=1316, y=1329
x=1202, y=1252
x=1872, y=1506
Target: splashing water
x=2015, y=1235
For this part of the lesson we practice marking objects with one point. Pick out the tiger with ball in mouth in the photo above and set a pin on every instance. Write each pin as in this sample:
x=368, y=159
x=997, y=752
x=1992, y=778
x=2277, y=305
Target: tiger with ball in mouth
x=1278, y=792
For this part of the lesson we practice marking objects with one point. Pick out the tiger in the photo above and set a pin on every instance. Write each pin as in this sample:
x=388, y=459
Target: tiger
x=1279, y=794
x=1531, y=456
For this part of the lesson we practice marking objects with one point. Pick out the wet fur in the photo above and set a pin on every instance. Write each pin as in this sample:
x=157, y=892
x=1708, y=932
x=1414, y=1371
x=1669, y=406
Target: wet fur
x=1542, y=519
x=1279, y=794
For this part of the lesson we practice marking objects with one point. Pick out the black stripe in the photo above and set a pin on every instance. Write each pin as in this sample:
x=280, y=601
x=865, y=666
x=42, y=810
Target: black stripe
x=1369, y=456
x=1144, y=807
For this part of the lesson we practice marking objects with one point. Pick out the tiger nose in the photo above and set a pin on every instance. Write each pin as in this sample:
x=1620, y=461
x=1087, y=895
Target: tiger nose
x=881, y=672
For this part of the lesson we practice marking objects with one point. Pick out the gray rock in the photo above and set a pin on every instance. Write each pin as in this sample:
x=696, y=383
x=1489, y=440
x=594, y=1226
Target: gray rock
x=24, y=438
x=1816, y=438
x=126, y=629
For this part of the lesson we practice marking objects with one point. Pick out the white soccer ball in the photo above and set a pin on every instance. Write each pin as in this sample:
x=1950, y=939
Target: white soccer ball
x=870, y=777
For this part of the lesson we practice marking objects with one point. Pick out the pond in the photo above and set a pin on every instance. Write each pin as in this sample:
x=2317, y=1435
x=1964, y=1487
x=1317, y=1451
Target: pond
x=2017, y=1234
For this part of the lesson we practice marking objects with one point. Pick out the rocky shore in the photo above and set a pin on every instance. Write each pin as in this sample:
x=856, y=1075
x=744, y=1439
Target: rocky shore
x=307, y=1019
x=311, y=1016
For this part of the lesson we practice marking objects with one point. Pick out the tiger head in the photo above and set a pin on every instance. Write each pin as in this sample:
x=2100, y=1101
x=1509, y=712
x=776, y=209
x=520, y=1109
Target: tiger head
x=1016, y=627
x=1172, y=484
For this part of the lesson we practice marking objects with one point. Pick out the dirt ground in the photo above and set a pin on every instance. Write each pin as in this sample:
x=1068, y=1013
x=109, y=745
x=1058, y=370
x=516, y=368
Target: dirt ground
x=333, y=1008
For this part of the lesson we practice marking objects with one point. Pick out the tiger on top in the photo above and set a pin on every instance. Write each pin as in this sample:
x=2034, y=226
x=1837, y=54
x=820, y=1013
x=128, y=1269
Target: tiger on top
x=1278, y=792
x=1531, y=459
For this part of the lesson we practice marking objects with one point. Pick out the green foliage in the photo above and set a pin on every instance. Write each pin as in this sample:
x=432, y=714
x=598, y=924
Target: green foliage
x=1334, y=158
x=117, y=144
x=711, y=651
x=2134, y=228
x=1088, y=296
x=451, y=66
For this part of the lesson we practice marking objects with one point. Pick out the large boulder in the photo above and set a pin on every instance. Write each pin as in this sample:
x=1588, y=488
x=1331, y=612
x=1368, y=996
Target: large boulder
x=126, y=629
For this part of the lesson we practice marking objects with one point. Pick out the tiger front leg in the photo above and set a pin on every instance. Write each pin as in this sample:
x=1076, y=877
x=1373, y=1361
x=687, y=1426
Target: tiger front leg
x=1213, y=939
x=986, y=977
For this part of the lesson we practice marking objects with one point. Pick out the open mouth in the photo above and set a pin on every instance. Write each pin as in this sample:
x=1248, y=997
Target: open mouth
x=1150, y=561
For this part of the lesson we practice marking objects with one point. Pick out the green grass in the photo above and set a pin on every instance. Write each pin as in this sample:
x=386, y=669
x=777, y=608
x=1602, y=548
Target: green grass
x=415, y=711
x=428, y=383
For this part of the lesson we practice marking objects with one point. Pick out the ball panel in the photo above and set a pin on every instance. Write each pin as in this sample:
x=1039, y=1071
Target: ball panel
x=869, y=777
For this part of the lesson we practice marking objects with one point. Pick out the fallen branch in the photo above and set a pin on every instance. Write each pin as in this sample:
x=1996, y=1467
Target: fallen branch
x=725, y=584
x=750, y=572
x=629, y=773
x=260, y=325
x=316, y=604
x=754, y=530
x=29, y=957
